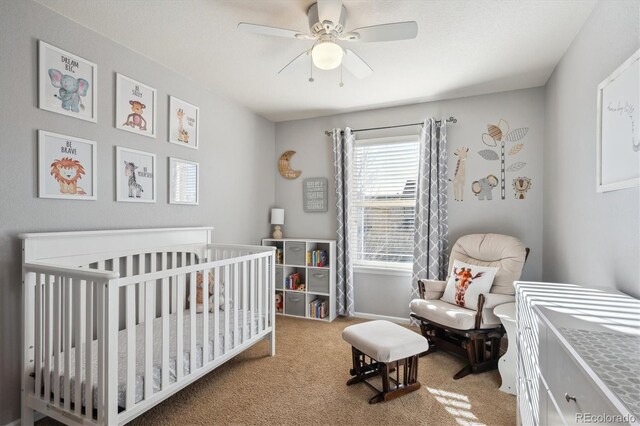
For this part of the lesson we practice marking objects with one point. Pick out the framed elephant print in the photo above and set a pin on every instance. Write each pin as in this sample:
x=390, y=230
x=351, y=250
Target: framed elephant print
x=135, y=176
x=135, y=106
x=184, y=123
x=67, y=83
x=184, y=182
x=67, y=167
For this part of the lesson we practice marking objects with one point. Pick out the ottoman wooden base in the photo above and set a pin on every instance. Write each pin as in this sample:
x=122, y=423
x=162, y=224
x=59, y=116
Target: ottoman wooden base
x=392, y=388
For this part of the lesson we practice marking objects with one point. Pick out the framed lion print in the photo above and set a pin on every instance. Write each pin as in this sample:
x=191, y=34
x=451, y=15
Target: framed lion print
x=135, y=106
x=67, y=167
x=67, y=83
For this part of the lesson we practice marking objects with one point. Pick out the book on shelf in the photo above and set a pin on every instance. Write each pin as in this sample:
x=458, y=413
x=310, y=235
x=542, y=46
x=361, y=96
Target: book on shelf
x=279, y=256
x=317, y=258
x=293, y=281
x=318, y=308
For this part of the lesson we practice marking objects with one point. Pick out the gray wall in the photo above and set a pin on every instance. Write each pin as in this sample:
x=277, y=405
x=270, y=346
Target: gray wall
x=236, y=160
x=589, y=238
x=389, y=294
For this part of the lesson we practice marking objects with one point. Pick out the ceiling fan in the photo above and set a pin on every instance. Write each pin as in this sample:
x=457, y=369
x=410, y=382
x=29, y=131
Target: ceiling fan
x=327, y=25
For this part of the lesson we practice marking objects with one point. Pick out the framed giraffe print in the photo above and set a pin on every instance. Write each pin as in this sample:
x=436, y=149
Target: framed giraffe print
x=184, y=123
x=135, y=176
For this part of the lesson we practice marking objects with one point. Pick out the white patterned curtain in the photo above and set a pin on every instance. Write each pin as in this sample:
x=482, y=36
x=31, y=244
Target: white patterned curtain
x=343, y=160
x=431, y=228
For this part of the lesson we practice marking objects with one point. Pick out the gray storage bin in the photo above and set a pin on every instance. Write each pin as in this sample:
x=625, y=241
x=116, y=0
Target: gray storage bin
x=279, y=277
x=295, y=253
x=318, y=280
x=294, y=304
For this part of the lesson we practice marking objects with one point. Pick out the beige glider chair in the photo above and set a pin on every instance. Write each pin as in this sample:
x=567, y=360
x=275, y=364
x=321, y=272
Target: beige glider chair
x=474, y=335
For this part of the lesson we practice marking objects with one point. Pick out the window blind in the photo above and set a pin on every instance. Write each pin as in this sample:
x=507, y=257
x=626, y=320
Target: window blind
x=383, y=200
x=186, y=182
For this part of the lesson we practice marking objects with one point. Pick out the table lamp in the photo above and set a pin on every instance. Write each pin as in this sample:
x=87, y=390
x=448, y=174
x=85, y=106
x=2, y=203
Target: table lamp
x=277, y=219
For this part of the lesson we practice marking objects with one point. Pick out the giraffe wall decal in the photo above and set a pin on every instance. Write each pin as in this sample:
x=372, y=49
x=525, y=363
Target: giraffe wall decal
x=459, y=176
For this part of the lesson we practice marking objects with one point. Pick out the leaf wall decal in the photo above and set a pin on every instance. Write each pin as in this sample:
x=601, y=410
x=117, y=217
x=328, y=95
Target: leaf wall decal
x=494, y=131
x=516, y=134
x=516, y=166
x=488, y=140
x=488, y=154
x=516, y=149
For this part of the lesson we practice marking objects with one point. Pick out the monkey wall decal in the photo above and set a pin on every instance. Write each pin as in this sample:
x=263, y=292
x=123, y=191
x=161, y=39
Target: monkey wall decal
x=135, y=119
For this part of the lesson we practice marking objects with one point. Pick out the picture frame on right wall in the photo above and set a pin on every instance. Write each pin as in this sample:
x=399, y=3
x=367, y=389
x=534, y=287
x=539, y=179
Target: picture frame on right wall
x=618, y=128
x=184, y=123
x=184, y=182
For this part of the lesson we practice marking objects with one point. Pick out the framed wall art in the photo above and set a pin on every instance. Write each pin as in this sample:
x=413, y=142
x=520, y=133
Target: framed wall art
x=184, y=182
x=184, y=123
x=135, y=106
x=315, y=194
x=67, y=83
x=135, y=176
x=67, y=167
x=618, y=128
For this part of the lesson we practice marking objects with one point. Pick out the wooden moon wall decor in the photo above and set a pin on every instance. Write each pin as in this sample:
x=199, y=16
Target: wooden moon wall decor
x=284, y=166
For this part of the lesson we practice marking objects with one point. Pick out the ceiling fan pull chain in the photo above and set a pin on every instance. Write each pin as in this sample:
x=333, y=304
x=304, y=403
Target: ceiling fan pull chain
x=311, y=80
x=341, y=82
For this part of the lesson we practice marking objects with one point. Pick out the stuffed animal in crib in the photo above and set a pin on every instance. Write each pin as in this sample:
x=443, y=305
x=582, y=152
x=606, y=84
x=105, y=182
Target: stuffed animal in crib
x=200, y=291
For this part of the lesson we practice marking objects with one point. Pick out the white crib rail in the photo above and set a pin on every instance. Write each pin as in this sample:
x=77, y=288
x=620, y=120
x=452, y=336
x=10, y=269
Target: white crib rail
x=75, y=317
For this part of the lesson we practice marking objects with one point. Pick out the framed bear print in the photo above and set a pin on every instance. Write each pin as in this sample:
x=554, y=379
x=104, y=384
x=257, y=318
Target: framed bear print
x=135, y=176
x=67, y=167
x=135, y=106
x=67, y=83
x=184, y=182
x=184, y=123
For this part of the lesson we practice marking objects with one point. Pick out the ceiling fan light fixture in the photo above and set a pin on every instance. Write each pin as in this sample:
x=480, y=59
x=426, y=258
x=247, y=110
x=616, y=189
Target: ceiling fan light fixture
x=327, y=55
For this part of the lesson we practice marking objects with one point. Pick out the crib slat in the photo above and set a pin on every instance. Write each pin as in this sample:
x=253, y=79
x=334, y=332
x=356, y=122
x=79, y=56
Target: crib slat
x=130, y=319
x=111, y=315
x=205, y=318
x=252, y=294
x=227, y=334
x=260, y=273
x=141, y=288
x=179, y=326
x=216, y=315
x=38, y=336
x=57, y=314
x=192, y=315
x=150, y=309
x=101, y=405
x=174, y=284
x=67, y=343
x=236, y=304
x=48, y=330
x=165, y=324
x=88, y=383
x=245, y=301
x=78, y=334
x=268, y=289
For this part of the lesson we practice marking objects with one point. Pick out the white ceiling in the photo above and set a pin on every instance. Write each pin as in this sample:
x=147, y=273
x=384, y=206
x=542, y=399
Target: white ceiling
x=463, y=48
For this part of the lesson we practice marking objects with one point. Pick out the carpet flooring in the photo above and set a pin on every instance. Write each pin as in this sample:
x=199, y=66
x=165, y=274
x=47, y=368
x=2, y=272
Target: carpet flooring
x=305, y=384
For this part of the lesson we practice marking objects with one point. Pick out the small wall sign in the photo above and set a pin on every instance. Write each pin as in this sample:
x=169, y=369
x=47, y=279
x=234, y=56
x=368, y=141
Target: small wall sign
x=315, y=195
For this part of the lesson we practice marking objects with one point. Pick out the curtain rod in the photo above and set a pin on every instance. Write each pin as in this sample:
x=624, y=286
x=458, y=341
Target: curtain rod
x=448, y=120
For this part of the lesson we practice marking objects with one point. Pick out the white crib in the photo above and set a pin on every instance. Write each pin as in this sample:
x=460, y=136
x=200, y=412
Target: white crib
x=108, y=330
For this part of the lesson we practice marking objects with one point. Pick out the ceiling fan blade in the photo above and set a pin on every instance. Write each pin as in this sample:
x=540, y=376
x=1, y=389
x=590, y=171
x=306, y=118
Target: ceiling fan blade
x=329, y=10
x=270, y=31
x=355, y=65
x=384, y=32
x=298, y=58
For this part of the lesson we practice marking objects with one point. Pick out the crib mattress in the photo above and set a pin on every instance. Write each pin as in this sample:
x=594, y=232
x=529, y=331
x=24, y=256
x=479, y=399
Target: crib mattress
x=157, y=354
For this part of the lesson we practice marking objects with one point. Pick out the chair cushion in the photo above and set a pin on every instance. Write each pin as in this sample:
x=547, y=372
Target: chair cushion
x=467, y=282
x=452, y=316
x=384, y=341
x=501, y=251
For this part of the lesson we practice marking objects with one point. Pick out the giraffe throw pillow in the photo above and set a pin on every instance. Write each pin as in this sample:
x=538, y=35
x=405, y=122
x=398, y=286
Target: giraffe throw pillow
x=466, y=283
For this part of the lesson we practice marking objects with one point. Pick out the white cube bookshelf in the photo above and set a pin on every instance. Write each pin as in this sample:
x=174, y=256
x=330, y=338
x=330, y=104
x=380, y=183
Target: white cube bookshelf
x=319, y=281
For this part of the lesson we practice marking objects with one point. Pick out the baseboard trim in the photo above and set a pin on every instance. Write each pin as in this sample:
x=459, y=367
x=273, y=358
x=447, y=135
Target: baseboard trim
x=397, y=320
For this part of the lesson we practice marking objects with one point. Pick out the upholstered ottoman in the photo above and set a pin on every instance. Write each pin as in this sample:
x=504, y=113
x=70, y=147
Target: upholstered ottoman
x=390, y=348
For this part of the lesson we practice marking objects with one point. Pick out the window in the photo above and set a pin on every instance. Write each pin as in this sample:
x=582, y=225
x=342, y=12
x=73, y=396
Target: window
x=383, y=200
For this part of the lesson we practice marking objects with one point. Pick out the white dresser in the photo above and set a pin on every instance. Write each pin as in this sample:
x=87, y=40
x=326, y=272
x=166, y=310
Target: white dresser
x=578, y=355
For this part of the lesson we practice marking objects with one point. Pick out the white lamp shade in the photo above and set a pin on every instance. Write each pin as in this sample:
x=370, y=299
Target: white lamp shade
x=327, y=55
x=277, y=216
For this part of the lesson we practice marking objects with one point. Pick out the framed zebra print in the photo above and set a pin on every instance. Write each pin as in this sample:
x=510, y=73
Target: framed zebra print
x=135, y=176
